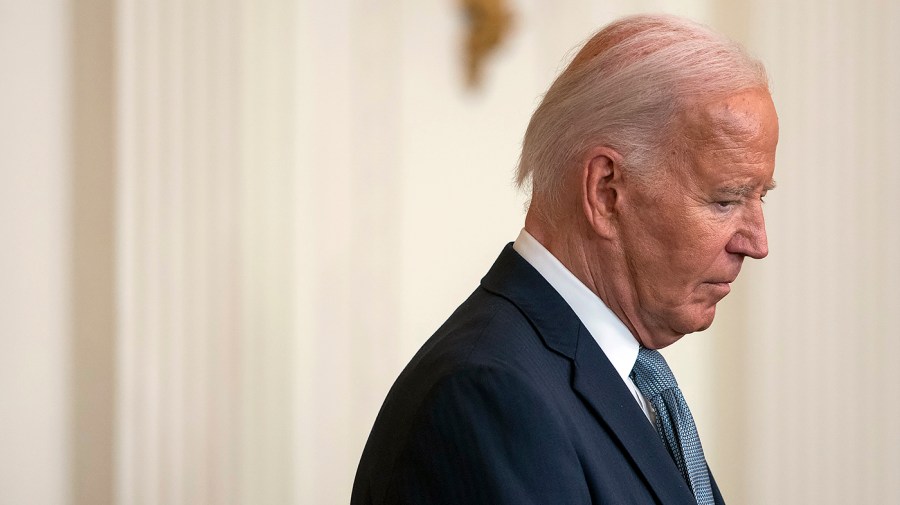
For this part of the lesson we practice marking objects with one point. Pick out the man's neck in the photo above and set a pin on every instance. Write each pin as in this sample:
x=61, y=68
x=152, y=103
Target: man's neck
x=597, y=264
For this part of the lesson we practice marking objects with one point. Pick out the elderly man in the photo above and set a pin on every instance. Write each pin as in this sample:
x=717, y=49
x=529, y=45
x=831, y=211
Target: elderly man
x=648, y=160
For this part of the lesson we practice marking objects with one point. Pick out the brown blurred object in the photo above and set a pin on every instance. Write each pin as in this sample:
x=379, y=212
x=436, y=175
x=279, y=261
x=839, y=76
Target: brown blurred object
x=488, y=22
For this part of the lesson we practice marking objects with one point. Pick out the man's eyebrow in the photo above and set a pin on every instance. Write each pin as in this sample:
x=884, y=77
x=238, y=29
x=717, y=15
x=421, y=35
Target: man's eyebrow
x=746, y=189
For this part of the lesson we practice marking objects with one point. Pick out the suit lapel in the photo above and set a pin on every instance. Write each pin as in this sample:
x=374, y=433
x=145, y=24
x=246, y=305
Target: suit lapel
x=595, y=379
x=602, y=388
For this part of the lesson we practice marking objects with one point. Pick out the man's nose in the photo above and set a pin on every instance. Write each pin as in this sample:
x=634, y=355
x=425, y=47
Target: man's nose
x=750, y=238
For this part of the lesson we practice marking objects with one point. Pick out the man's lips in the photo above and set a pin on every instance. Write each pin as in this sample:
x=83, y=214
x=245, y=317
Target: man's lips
x=723, y=287
x=724, y=280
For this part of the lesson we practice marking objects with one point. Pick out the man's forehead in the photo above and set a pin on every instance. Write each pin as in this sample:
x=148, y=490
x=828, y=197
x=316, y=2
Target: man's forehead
x=727, y=138
x=745, y=114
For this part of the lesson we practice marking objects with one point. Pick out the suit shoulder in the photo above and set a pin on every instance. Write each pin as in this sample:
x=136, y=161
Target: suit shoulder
x=485, y=325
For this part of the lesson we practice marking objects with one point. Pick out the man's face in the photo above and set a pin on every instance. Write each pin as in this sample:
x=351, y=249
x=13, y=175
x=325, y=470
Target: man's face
x=684, y=242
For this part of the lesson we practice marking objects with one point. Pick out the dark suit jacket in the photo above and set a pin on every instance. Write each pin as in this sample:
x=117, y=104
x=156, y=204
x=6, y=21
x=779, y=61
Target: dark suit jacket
x=513, y=402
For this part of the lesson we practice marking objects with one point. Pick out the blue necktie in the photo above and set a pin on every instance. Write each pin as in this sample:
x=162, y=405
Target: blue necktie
x=674, y=422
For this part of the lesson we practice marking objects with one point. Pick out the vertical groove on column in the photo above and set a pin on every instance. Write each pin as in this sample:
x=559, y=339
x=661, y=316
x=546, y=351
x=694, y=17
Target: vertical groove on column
x=163, y=172
x=196, y=278
x=248, y=462
x=331, y=247
x=854, y=261
x=215, y=345
x=795, y=383
x=146, y=469
x=124, y=486
x=190, y=400
x=175, y=204
x=820, y=316
x=192, y=397
x=93, y=149
x=226, y=93
x=154, y=322
x=163, y=222
x=842, y=450
x=857, y=51
x=869, y=480
x=888, y=343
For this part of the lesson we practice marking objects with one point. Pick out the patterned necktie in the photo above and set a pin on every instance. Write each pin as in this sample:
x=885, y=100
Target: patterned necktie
x=674, y=422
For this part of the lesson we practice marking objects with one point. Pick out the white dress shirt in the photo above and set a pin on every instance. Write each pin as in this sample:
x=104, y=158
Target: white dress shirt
x=619, y=345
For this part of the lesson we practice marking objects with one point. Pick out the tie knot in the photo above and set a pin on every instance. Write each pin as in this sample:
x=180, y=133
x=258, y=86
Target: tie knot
x=651, y=374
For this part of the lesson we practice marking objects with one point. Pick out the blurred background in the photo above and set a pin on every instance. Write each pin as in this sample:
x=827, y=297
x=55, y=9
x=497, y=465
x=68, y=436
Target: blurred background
x=226, y=226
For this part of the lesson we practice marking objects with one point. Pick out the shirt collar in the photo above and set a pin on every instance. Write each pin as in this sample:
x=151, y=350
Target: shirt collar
x=611, y=334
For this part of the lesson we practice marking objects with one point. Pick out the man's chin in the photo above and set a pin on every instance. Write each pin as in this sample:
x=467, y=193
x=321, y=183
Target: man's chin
x=668, y=331
x=699, y=321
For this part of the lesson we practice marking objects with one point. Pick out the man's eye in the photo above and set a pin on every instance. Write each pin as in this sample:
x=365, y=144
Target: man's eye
x=725, y=204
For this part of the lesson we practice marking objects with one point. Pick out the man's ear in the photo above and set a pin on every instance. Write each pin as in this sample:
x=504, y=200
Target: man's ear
x=601, y=179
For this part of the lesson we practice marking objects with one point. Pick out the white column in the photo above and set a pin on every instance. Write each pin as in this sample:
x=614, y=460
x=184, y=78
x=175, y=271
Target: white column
x=205, y=261
x=821, y=335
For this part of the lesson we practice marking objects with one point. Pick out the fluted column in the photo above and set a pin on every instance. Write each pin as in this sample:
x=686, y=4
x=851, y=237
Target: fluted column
x=206, y=204
x=257, y=246
x=818, y=355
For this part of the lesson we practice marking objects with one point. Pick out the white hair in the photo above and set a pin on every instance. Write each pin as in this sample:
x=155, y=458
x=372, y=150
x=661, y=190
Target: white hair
x=624, y=90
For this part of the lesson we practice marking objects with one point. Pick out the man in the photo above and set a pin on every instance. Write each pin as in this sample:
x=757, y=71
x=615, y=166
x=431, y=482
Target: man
x=648, y=160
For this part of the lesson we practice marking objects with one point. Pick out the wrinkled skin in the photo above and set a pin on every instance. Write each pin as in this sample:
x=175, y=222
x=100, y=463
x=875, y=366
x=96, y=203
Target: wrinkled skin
x=662, y=257
x=685, y=247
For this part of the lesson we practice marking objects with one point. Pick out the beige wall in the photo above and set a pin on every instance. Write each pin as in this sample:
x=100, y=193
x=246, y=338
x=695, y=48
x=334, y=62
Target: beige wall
x=34, y=305
x=227, y=226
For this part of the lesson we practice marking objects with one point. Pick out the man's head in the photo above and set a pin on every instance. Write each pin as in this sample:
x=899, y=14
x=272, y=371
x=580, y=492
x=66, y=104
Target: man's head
x=648, y=159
